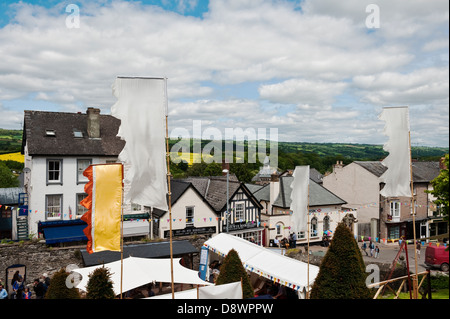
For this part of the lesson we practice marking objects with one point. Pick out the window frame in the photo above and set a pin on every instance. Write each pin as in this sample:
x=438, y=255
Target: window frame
x=47, y=213
x=190, y=220
x=78, y=205
x=84, y=179
x=239, y=214
x=60, y=170
x=314, y=227
x=394, y=210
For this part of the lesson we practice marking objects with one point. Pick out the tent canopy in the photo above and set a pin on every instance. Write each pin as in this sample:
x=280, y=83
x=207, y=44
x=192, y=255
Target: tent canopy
x=226, y=291
x=264, y=262
x=141, y=271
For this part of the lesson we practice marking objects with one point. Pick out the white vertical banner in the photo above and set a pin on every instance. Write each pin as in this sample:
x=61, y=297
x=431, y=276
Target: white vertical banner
x=142, y=109
x=299, y=197
x=397, y=177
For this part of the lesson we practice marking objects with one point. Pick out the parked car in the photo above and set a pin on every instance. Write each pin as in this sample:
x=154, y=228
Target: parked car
x=437, y=257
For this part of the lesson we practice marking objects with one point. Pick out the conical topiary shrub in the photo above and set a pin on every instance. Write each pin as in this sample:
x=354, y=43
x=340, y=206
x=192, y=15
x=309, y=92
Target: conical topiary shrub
x=58, y=288
x=100, y=285
x=233, y=271
x=342, y=271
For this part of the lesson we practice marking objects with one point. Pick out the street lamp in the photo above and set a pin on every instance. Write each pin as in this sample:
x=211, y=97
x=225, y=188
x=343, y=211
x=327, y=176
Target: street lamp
x=228, y=205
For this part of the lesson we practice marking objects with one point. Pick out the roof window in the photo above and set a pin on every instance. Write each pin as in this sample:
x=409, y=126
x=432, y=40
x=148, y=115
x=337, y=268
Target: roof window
x=77, y=133
x=50, y=133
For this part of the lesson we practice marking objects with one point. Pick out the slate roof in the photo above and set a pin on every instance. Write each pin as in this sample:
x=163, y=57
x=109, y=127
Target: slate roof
x=422, y=171
x=318, y=195
x=214, y=189
x=263, y=193
x=177, y=189
x=10, y=195
x=64, y=143
x=150, y=250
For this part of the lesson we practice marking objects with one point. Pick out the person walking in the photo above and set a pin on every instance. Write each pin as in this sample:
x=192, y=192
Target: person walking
x=372, y=248
x=364, y=247
x=377, y=251
x=418, y=246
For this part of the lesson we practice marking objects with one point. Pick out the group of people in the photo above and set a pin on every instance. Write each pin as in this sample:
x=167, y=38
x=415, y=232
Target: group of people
x=374, y=251
x=287, y=243
x=22, y=291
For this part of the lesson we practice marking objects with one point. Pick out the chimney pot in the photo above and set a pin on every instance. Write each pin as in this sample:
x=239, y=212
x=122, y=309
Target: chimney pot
x=274, y=177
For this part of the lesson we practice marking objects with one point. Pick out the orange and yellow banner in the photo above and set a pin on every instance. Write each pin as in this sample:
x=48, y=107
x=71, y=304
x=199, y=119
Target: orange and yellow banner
x=104, y=204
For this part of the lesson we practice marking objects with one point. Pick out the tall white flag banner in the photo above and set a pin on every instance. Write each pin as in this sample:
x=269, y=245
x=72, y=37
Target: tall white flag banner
x=299, y=198
x=397, y=177
x=141, y=107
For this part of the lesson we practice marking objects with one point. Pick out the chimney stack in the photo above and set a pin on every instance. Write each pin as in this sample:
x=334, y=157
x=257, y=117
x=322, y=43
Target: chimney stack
x=225, y=166
x=442, y=163
x=93, y=124
x=274, y=187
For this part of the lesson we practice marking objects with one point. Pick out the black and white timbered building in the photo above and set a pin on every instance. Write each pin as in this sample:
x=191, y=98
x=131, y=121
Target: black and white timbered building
x=243, y=218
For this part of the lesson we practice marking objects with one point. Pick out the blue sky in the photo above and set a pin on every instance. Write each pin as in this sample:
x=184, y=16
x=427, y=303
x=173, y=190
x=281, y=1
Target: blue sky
x=314, y=69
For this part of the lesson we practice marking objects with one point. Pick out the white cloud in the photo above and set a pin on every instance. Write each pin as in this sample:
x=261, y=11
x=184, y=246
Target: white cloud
x=302, y=91
x=418, y=87
x=319, y=67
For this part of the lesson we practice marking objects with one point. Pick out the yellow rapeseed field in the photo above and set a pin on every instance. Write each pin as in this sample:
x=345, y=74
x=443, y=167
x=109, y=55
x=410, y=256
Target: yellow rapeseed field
x=12, y=156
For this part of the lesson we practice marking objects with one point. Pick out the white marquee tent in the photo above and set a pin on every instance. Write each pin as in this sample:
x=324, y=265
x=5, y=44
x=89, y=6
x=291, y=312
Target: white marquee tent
x=286, y=271
x=141, y=271
x=226, y=291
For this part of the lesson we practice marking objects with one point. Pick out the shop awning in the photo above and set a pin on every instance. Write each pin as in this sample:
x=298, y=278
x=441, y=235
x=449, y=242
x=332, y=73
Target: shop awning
x=62, y=231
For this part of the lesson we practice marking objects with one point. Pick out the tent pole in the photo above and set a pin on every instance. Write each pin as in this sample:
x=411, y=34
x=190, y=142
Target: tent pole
x=413, y=211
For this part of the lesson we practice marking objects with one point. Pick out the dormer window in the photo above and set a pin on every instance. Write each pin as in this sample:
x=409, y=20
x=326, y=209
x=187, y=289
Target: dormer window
x=50, y=133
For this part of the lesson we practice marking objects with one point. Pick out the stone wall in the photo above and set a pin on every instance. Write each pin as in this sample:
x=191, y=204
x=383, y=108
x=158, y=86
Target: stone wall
x=38, y=258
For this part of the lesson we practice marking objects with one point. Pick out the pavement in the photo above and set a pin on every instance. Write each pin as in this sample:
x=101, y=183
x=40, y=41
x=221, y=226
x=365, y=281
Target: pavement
x=387, y=254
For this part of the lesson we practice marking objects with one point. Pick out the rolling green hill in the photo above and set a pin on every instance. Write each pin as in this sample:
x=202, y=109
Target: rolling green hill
x=11, y=142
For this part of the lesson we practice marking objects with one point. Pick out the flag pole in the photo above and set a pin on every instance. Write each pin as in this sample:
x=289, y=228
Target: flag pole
x=309, y=229
x=121, y=240
x=413, y=210
x=169, y=194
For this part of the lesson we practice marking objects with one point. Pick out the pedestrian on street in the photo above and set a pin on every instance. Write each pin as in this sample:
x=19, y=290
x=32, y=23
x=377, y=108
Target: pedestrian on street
x=418, y=246
x=372, y=248
x=364, y=247
x=377, y=251
x=294, y=239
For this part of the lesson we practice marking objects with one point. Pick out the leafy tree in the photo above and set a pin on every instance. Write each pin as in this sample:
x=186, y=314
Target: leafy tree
x=7, y=178
x=441, y=189
x=100, y=285
x=58, y=288
x=213, y=169
x=342, y=271
x=233, y=271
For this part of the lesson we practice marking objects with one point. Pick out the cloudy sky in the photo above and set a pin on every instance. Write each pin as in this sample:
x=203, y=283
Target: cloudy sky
x=317, y=70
